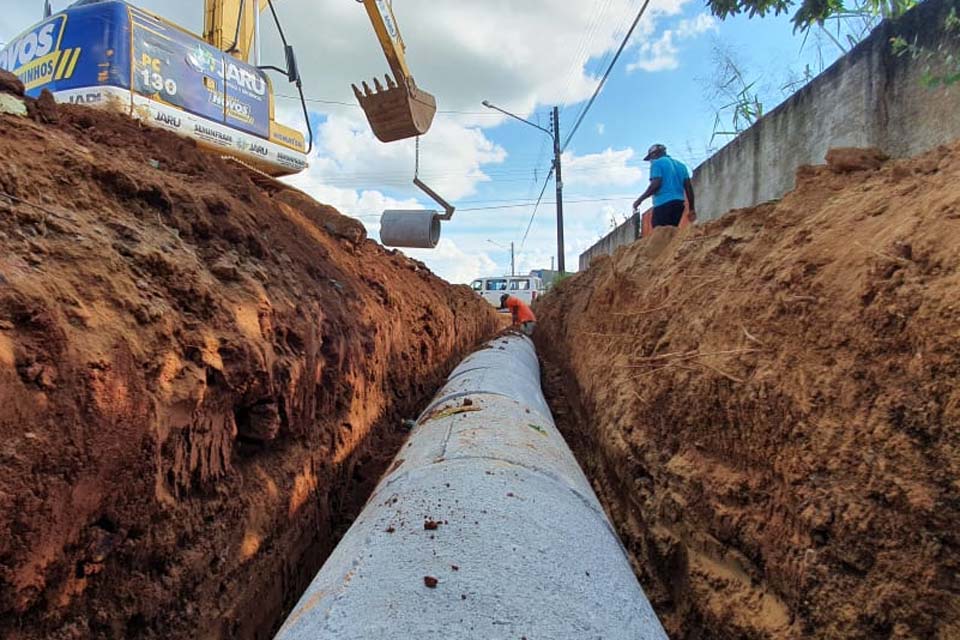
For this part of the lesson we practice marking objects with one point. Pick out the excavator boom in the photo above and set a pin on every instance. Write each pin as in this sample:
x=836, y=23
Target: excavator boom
x=400, y=109
x=396, y=110
x=229, y=25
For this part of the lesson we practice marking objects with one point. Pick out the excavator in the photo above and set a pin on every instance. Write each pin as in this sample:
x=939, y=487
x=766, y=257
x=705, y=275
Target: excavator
x=112, y=54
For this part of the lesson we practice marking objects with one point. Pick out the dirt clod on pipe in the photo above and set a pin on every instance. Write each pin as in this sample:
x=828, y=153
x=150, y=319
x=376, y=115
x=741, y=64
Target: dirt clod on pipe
x=485, y=527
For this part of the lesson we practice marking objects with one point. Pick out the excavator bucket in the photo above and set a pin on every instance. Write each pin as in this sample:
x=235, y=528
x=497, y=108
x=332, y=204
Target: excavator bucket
x=396, y=112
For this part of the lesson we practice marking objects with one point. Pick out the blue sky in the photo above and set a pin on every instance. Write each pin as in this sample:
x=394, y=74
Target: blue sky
x=524, y=57
x=636, y=109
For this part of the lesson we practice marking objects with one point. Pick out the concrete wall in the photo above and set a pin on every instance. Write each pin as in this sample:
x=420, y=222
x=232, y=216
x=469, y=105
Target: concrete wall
x=870, y=97
x=624, y=234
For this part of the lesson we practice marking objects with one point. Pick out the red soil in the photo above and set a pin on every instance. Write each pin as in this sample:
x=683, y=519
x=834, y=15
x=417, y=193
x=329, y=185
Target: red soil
x=200, y=381
x=769, y=405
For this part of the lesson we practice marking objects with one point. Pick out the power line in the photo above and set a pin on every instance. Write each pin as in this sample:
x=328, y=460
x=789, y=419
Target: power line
x=533, y=215
x=485, y=175
x=522, y=206
x=603, y=80
x=405, y=182
x=582, y=197
x=602, y=64
x=354, y=105
x=565, y=201
x=605, y=57
x=519, y=169
x=583, y=49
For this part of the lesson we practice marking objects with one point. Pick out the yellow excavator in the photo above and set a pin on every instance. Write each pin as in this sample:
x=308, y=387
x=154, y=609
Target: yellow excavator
x=396, y=111
x=110, y=53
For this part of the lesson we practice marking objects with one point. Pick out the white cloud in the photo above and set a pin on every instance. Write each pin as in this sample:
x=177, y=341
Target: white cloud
x=519, y=55
x=692, y=27
x=366, y=206
x=607, y=168
x=601, y=128
x=346, y=154
x=454, y=264
x=662, y=54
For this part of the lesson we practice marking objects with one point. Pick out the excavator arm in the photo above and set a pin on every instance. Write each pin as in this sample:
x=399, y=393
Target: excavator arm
x=396, y=111
x=229, y=25
x=388, y=33
x=400, y=110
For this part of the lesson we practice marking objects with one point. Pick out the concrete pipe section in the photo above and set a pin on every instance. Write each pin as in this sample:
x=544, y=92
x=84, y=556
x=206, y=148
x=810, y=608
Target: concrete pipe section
x=484, y=528
x=417, y=229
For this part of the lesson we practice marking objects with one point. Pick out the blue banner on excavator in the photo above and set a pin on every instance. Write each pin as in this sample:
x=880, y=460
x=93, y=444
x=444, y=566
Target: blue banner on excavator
x=48, y=55
x=112, y=54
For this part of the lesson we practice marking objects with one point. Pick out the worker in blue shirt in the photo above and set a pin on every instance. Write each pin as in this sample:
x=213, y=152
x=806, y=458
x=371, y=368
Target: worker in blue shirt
x=669, y=183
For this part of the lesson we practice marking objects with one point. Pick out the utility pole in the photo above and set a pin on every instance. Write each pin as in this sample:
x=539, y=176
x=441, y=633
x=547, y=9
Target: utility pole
x=513, y=261
x=555, y=134
x=559, y=176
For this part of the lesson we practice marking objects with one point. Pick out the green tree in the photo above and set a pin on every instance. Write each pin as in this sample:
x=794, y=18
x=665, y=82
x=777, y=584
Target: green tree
x=736, y=99
x=807, y=13
x=941, y=65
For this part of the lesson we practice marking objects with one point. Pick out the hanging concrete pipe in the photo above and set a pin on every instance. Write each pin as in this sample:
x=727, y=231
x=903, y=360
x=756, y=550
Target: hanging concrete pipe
x=415, y=229
x=484, y=528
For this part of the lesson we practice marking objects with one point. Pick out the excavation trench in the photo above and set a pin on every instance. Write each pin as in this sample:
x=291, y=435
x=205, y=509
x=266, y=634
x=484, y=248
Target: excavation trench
x=297, y=552
x=767, y=406
x=479, y=528
x=201, y=380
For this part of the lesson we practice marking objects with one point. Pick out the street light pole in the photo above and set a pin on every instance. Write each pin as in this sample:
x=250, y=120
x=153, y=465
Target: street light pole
x=555, y=134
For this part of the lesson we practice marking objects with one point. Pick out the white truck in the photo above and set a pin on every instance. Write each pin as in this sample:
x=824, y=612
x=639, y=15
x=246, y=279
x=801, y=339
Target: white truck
x=527, y=288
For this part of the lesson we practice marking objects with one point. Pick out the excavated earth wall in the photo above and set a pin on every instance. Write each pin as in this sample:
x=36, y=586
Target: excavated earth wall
x=769, y=405
x=201, y=381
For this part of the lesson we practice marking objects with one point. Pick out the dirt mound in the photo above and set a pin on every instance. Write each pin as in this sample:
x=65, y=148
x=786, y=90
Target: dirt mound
x=10, y=83
x=200, y=383
x=850, y=159
x=769, y=406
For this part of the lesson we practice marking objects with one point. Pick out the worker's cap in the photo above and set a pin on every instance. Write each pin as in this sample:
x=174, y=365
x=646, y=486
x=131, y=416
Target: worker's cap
x=655, y=150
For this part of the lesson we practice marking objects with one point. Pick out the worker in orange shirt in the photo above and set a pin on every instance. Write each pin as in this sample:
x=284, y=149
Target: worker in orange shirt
x=522, y=315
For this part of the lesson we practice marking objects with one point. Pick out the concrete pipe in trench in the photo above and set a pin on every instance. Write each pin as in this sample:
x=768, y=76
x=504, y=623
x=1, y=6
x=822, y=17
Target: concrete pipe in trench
x=484, y=527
